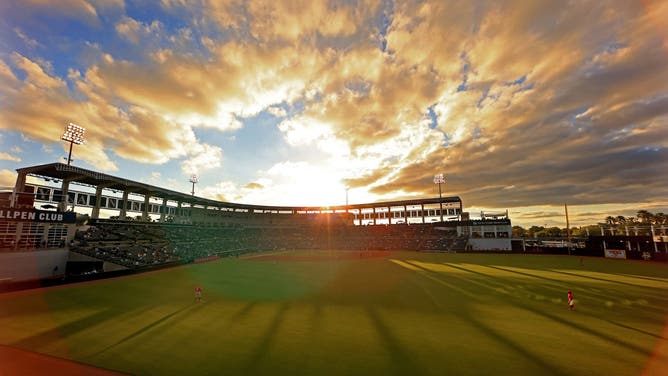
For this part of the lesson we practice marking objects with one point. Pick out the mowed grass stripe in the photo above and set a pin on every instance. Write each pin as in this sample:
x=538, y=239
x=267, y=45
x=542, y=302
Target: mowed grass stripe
x=402, y=313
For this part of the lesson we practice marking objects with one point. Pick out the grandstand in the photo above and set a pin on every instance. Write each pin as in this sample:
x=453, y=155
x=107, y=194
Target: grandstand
x=148, y=226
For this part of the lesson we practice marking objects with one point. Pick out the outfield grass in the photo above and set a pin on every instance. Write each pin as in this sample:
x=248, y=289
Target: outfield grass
x=401, y=314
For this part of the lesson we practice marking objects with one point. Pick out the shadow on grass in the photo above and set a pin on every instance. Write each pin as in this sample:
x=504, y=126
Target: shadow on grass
x=637, y=330
x=243, y=312
x=552, y=284
x=657, y=279
x=465, y=315
x=135, y=334
x=609, y=294
x=402, y=363
x=609, y=321
x=47, y=337
x=522, y=304
x=595, y=278
x=661, y=291
x=545, y=367
x=558, y=285
x=269, y=337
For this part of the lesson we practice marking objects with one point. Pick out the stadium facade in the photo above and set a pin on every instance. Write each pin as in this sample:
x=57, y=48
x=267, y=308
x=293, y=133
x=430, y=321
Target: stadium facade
x=40, y=237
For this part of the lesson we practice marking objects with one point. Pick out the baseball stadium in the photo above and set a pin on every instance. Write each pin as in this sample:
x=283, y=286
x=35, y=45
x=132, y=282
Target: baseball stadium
x=157, y=282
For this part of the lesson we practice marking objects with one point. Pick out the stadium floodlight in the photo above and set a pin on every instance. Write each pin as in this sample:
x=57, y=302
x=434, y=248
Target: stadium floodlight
x=440, y=179
x=193, y=179
x=347, y=189
x=74, y=135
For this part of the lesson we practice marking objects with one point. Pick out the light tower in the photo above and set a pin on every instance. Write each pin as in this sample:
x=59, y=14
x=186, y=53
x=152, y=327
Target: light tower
x=347, y=189
x=193, y=179
x=74, y=135
x=440, y=179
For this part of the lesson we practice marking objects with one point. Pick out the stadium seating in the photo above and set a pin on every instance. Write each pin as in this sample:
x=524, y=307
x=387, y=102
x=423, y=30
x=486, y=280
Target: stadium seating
x=141, y=244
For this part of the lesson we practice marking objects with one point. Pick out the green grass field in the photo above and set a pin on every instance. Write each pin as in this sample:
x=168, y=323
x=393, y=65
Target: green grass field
x=309, y=313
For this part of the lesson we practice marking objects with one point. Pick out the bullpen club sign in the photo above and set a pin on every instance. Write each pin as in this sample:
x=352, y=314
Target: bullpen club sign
x=33, y=215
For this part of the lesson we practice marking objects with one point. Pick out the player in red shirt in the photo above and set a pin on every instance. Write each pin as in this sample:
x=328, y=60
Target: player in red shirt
x=198, y=293
x=571, y=302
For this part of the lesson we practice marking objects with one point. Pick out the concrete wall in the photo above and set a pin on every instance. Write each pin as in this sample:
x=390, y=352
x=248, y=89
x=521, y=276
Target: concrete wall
x=21, y=266
x=490, y=244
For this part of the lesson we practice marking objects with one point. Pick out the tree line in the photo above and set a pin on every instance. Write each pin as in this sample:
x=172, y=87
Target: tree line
x=643, y=218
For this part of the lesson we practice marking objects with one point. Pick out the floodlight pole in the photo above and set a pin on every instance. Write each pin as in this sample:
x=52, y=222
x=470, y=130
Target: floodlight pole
x=440, y=179
x=74, y=135
x=568, y=229
x=347, y=188
x=193, y=179
x=440, y=200
x=69, y=156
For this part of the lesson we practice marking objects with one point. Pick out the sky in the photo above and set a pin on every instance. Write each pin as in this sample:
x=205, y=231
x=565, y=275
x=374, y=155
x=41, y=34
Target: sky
x=522, y=105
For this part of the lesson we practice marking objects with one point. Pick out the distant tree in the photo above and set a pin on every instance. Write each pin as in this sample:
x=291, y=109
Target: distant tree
x=520, y=232
x=554, y=232
x=610, y=220
x=660, y=219
x=535, y=230
x=645, y=217
x=583, y=231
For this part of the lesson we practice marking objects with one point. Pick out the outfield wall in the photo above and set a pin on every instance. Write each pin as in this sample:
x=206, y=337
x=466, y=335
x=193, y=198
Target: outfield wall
x=491, y=244
x=22, y=266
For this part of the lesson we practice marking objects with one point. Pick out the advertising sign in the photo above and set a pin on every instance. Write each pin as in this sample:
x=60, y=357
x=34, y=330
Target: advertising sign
x=615, y=253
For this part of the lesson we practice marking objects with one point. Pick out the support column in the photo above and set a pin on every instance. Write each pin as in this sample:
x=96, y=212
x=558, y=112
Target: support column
x=62, y=205
x=19, y=187
x=124, y=207
x=98, y=200
x=17, y=236
x=163, y=210
x=144, y=213
x=44, y=243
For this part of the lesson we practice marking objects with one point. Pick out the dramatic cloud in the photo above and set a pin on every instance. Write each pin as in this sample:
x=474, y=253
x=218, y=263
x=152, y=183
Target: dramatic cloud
x=519, y=104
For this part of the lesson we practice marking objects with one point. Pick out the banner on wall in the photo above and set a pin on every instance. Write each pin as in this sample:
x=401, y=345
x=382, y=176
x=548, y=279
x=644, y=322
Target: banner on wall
x=615, y=253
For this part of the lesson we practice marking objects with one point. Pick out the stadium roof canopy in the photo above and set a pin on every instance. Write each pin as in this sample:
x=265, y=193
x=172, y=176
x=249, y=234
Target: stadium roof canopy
x=83, y=176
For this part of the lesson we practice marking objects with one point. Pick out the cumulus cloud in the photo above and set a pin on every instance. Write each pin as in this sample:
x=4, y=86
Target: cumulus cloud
x=82, y=10
x=277, y=111
x=134, y=30
x=25, y=38
x=9, y=157
x=202, y=157
x=7, y=178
